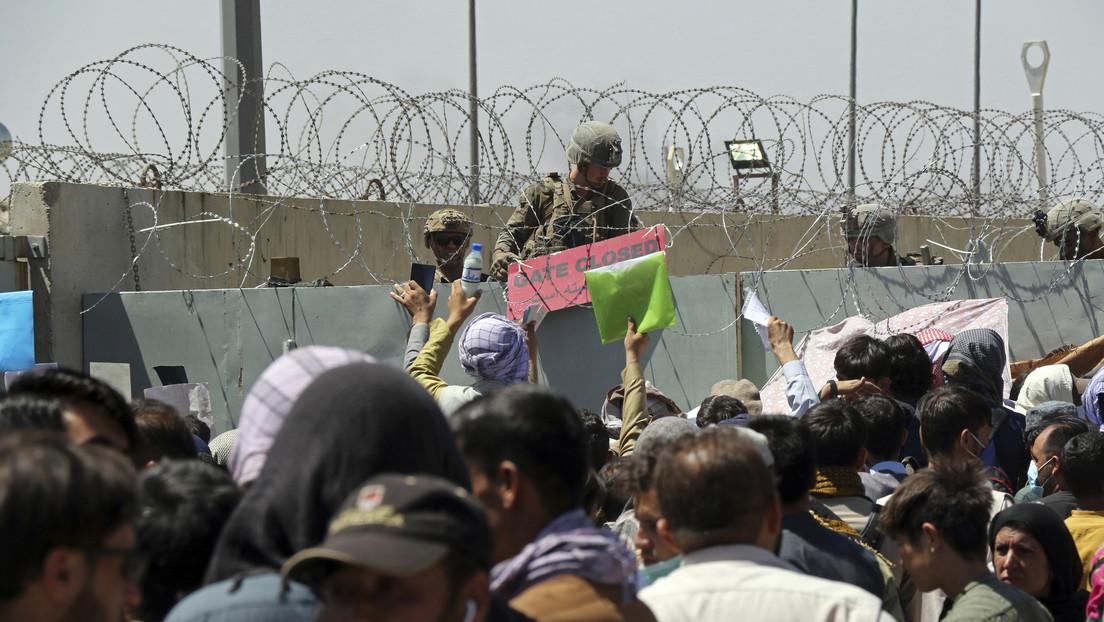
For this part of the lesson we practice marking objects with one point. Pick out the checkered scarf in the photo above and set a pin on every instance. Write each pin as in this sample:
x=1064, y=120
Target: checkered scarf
x=270, y=400
x=976, y=361
x=493, y=348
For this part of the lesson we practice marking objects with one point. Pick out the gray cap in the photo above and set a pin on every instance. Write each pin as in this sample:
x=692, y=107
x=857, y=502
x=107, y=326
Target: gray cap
x=870, y=220
x=595, y=143
x=664, y=429
x=1075, y=212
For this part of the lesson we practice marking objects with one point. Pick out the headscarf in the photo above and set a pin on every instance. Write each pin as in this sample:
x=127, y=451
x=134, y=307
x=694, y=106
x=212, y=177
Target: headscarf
x=1066, y=601
x=1089, y=399
x=493, y=348
x=976, y=360
x=270, y=400
x=351, y=423
x=1050, y=383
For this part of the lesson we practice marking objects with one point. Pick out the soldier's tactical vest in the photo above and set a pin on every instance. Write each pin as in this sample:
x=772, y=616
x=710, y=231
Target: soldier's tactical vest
x=566, y=225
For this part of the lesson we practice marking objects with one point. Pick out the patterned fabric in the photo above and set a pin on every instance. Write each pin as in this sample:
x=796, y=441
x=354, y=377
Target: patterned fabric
x=1095, y=610
x=1046, y=384
x=818, y=349
x=270, y=400
x=977, y=360
x=838, y=482
x=935, y=343
x=493, y=348
x=1090, y=399
x=570, y=544
x=222, y=445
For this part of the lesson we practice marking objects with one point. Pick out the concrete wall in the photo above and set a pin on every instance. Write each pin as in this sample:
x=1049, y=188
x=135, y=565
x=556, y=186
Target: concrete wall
x=227, y=337
x=1050, y=304
x=359, y=243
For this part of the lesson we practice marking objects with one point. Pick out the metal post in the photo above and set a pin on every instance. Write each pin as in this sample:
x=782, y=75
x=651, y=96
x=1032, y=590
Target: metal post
x=245, y=136
x=851, y=130
x=473, y=102
x=975, y=204
x=1036, y=76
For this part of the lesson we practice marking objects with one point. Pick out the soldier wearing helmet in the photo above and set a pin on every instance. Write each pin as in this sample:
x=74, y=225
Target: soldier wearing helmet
x=556, y=214
x=870, y=231
x=1074, y=227
x=448, y=236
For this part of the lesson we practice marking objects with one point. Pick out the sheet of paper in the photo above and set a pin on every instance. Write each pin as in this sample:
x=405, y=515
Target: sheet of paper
x=757, y=314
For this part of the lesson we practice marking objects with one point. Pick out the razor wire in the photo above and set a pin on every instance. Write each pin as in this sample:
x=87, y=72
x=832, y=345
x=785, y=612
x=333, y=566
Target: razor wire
x=158, y=115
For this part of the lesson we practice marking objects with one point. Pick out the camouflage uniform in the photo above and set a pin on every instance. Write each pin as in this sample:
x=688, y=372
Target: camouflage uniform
x=551, y=217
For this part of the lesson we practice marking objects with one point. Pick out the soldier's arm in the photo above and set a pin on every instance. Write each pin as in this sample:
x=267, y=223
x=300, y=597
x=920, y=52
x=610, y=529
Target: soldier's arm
x=513, y=238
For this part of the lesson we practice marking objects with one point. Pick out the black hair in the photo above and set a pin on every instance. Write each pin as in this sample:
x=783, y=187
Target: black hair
x=597, y=438
x=30, y=411
x=77, y=388
x=862, y=357
x=162, y=433
x=199, y=428
x=537, y=429
x=886, y=423
x=945, y=412
x=54, y=493
x=791, y=444
x=910, y=369
x=839, y=433
x=182, y=508
x=953, y=497
x=714, y=488
x=614, y=475
x=1064, y=429
x=716, y=408
x=1083, y=464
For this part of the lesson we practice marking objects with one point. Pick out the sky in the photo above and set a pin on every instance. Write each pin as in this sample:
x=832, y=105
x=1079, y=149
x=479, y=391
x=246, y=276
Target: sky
x=907, y=50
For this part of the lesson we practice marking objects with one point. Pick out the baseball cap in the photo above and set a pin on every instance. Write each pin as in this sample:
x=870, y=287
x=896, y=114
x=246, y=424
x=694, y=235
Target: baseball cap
x=399, y=525
x=743, y=390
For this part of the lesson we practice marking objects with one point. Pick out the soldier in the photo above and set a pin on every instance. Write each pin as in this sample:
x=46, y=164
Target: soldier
x=448, y=236
x=870, y=230
x=557, y=214
x=1074, y=227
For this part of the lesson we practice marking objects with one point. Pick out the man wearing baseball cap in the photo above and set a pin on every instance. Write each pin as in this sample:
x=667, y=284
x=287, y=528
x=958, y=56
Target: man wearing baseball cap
x=1074, y=227
x=404, y=547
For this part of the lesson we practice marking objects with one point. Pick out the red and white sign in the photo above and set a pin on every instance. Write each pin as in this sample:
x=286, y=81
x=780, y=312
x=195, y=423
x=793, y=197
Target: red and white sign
x=556, y=281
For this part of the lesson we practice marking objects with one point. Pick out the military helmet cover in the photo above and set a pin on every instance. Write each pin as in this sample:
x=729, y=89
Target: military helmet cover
x=595, y=143
x=446, y=221
x=1073, y=213
x=870, y=220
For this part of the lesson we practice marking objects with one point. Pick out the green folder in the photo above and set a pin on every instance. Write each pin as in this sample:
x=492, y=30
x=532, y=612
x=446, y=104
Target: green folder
x=636, y=288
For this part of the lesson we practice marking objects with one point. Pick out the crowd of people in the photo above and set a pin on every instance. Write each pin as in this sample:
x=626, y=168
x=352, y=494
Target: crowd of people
x=911, y=486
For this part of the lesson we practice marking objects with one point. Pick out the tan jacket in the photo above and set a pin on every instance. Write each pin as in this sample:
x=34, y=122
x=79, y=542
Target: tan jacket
x=569, y=598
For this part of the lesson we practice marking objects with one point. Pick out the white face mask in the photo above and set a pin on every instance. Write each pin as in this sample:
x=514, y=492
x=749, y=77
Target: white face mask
x=978, y=441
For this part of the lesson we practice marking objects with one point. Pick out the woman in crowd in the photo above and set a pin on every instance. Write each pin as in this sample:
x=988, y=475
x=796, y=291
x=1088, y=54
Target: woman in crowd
x=1033, y=551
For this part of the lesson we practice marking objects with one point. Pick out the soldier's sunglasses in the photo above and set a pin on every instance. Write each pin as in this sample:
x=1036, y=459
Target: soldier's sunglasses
x=445, y=240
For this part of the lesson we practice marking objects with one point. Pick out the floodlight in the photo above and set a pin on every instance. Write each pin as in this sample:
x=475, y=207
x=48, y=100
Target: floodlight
x=747, y=154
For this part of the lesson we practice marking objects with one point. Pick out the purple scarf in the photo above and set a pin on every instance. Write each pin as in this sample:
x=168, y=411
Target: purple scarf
x=570, y=544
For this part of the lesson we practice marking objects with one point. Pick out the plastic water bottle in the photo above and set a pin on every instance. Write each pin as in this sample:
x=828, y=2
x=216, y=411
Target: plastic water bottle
x=473, y=270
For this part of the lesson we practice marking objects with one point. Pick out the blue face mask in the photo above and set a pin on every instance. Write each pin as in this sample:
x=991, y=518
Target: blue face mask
x=1033, y=475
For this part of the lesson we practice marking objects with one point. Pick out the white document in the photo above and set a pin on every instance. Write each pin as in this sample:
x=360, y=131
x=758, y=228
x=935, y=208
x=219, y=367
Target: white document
x=757, y=314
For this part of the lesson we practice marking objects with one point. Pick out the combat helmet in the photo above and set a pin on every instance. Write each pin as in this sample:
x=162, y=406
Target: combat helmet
x=446, y=221
x=595, y=143
x=870, y=220
x=1073, y=213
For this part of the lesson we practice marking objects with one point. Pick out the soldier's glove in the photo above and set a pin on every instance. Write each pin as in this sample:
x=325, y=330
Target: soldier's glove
x=500, y=269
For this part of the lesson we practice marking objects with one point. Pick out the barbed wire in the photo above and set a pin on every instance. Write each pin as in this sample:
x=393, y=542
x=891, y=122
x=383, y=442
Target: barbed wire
x=159, y=115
